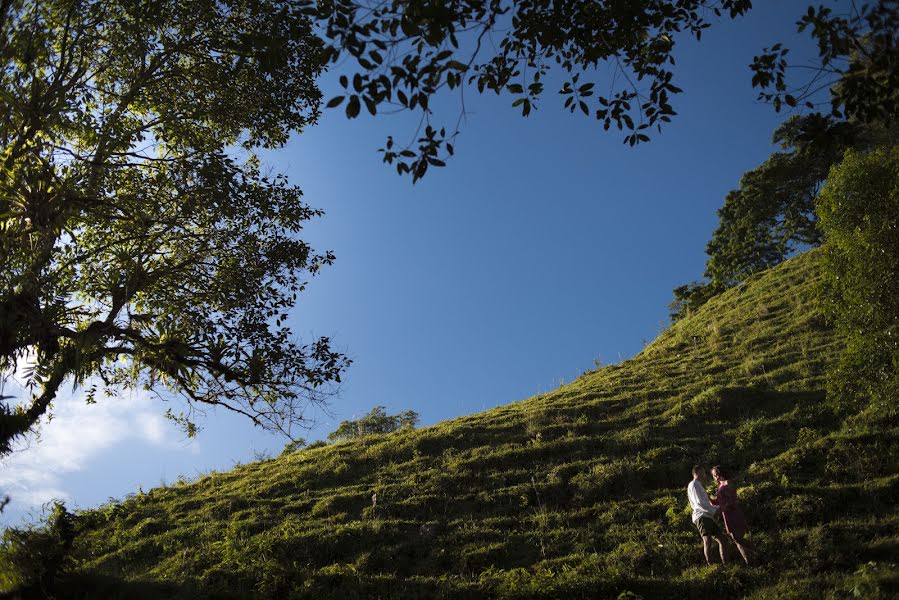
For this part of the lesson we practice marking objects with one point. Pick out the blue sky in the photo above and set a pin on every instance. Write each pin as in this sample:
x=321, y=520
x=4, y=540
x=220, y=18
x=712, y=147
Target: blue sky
x=544, y=245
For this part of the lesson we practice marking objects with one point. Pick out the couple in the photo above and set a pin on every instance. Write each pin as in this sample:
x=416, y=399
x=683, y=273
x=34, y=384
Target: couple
x=704, y=509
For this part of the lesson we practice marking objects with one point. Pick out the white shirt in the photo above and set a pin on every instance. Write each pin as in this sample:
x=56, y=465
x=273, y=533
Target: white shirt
x=699, y=501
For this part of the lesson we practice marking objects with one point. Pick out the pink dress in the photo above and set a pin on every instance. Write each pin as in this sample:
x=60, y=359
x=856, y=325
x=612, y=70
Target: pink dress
x=726, y=500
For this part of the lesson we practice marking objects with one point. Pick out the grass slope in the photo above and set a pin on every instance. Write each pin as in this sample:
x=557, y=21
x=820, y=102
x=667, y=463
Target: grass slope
x=576, y=493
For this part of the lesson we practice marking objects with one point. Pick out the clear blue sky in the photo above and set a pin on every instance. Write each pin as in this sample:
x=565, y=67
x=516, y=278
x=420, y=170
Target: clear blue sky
x=545, y=244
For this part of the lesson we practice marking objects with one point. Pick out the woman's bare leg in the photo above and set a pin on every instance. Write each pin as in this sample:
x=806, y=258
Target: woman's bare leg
x=741, y=539
x=743, y=546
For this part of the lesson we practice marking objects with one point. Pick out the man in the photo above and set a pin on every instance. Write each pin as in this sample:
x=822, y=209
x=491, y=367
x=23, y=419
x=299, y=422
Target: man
x=704, y=514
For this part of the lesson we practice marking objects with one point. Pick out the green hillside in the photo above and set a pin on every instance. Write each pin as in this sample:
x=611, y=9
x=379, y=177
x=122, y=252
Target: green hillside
x=577, y=493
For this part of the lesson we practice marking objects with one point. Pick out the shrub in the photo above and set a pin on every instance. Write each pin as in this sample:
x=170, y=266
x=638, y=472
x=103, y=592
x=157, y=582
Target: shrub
x=859, y=214
x=806, y=437
x=690, y=297
x=31, y=559
x=751, y=433
x=293, y=446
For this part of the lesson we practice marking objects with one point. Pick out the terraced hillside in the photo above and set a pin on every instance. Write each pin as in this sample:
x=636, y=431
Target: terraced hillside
x=576, y=493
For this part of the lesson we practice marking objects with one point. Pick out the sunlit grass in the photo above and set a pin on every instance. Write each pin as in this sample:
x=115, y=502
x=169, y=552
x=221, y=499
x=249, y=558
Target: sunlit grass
x=575, y=493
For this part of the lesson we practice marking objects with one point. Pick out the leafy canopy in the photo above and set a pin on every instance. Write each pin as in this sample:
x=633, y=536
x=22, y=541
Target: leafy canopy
x=140, y=239
x=375, y=422
x=616, y=60
x=403, y=52
x=858, y=64
x=772, y=214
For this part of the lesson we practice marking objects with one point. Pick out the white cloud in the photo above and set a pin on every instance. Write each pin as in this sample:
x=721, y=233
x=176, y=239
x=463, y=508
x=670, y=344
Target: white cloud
x=76, y=435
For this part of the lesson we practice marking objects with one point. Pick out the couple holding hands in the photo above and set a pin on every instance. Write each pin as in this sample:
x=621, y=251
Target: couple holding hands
x=725, y=502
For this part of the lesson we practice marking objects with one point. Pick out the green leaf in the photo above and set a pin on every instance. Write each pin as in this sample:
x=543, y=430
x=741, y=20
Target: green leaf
x=353, y=107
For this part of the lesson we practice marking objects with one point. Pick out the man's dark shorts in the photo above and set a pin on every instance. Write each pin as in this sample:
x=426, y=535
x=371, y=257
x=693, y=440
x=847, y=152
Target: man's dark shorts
x=708, y=527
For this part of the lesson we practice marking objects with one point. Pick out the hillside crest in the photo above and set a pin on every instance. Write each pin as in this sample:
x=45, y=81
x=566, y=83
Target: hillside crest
x=574, y=493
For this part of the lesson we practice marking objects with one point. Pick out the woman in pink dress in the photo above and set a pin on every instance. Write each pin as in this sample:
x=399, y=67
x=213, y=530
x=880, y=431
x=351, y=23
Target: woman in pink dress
x=734, y=521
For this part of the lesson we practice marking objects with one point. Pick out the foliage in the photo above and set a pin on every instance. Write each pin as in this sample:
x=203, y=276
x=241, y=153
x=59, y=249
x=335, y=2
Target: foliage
x=689, y=297
x=472, y=508
x=140, y=239
x=859, y=210
x=293, y=446
x=375, y=422
x=858, y=64
x=403, y=52
x=772, y=214
x=32, y=558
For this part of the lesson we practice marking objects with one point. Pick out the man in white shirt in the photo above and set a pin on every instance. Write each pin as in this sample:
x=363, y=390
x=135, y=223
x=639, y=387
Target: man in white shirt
x=704, y=514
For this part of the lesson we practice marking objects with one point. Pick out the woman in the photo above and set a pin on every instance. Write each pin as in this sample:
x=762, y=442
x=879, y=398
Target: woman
x=734, y=521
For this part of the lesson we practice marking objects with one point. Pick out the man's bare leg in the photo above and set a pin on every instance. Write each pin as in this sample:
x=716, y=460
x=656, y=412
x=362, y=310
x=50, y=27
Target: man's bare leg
x=721, y=549
x=705, y=549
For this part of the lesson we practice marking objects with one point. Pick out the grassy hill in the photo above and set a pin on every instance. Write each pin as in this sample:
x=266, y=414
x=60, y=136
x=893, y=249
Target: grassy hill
x=576, y=493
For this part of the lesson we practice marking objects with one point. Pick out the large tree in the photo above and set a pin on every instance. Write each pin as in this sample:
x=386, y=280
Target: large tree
x=855, y=82
x=615, y=58
x=141, y=243
x=856, y=74
x=772, y=214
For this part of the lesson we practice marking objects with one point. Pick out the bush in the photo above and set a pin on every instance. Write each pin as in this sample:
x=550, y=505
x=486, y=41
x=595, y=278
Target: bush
x=859, y=214
x=32, y=558
x=691, y=297
x=293, y=446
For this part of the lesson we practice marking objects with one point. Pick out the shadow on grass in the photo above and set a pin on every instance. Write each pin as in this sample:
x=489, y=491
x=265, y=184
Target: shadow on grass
x=91, y=587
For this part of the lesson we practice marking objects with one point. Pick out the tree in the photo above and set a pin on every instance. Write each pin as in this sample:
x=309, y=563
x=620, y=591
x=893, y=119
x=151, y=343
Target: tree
x=141, y=242
x=859, y=211
x=403, y=52
x=858, y=65
x=294, y=446
x=375, y=422
x=772, y=214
